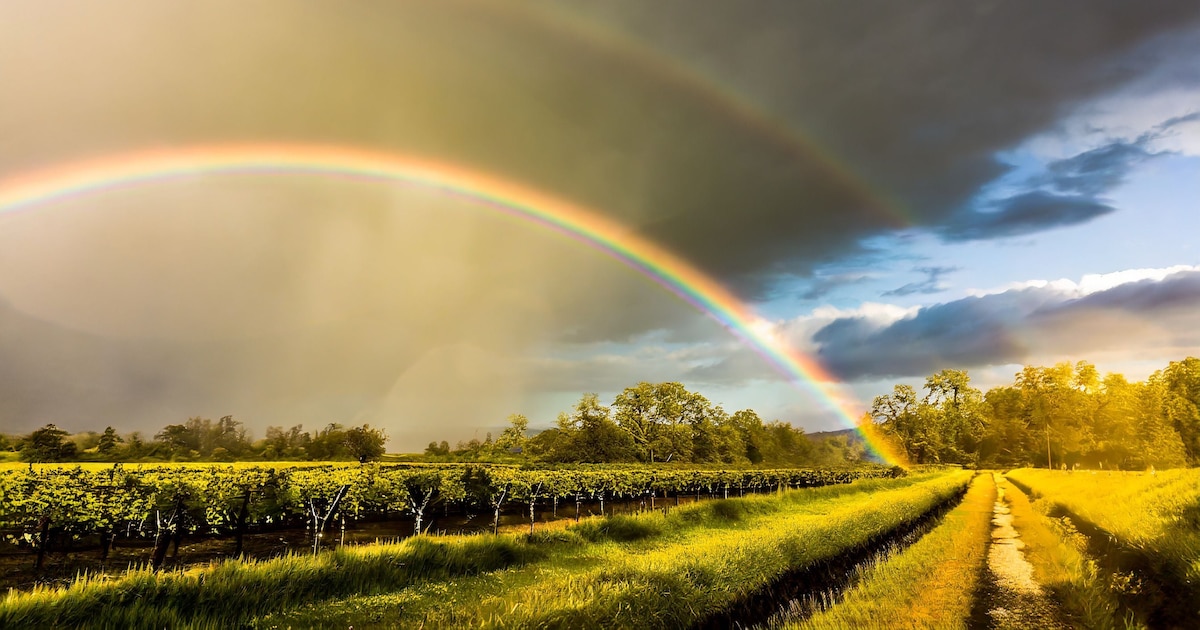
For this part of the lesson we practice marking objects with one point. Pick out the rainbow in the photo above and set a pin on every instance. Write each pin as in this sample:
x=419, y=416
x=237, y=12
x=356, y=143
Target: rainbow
x=28, y=190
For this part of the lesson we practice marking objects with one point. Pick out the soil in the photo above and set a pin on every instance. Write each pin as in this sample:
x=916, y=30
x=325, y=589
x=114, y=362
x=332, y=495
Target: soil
x=1012, y=599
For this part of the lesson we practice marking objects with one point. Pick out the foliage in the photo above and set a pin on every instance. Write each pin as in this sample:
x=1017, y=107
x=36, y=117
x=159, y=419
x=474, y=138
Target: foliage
x=48, y=444
x=463, y=581
x=226, y=499
x=653, y=570
x=1062, y=416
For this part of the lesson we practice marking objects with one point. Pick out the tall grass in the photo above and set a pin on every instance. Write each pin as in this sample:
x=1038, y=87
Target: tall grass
x=1155, y=515
x=1061, y=565
x=623, y=554
x=232, y=591
x=931, y=584
x=665, y=571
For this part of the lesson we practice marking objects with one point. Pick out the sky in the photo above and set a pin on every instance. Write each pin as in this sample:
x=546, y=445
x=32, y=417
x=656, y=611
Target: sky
x=894, y=188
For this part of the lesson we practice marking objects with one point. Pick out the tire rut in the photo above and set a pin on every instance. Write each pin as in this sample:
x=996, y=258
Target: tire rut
x=1011, y=598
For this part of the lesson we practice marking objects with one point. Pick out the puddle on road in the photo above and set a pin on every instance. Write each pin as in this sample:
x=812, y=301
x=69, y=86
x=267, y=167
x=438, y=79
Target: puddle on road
x=1018, y=601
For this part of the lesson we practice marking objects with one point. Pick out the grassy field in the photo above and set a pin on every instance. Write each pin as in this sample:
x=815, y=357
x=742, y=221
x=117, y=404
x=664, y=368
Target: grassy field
x=651, y=570
x=1145, y=527
x=931, y=584
x=1062, y=566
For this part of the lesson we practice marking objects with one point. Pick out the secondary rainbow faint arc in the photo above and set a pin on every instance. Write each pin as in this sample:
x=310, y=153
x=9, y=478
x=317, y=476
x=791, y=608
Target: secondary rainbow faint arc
x=709, y=91
x=28, y=190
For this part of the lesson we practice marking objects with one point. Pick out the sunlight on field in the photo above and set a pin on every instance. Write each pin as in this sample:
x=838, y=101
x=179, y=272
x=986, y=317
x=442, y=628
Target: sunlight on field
x=1146, y=526
x=931, y=584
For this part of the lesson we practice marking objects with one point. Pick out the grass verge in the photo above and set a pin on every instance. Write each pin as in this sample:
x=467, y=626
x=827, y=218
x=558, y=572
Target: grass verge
x=930, y=584
x=227, y=593
x=1060, y=563
x=690, y=565
x=1143, y=527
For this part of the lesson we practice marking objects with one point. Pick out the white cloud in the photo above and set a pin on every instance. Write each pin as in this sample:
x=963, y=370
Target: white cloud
x=1088, y=284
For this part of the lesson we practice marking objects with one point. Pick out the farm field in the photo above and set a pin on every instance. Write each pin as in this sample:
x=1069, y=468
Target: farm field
x=810, y=549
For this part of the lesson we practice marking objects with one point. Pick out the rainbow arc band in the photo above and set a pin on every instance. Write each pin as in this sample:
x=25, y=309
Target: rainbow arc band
x=40, y=188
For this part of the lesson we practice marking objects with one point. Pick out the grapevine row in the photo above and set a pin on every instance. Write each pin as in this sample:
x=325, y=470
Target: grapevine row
x=167, y=502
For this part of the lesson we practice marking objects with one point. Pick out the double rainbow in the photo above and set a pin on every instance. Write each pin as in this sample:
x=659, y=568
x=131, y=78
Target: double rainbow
x=29, y=190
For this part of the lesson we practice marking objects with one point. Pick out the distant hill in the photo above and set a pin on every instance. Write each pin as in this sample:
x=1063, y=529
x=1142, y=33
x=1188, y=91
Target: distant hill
x=851, y=434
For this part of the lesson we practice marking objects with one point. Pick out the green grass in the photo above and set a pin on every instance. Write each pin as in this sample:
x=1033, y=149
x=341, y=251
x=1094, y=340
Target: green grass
x=592, y=573
x=222, y=594
x=665, y=571
x=1060, y=564
x=1156, y=515
x=931, y=584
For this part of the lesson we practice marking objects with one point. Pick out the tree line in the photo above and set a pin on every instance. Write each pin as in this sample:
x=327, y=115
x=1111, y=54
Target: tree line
x=199, y=439
x=654, y=423
x=1065, y=415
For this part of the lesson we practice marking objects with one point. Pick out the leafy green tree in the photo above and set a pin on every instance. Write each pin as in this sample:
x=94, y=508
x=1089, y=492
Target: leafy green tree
x=958, y=409
x=898, y=415
x=513, y=439
x=1113, y=430
x=667, y=422
x=364, y=443
x=591, y=436
x=1181, y=403
x=435, y=449
x=1158, y=444
x=178, y=439
x=285, y=444
x=328, y=444
x=752, y=434
x=109, y=443
x=48, y=444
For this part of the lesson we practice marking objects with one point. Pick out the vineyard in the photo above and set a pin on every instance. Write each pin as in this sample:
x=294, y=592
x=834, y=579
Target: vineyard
x=678, y=548
x=44, y=506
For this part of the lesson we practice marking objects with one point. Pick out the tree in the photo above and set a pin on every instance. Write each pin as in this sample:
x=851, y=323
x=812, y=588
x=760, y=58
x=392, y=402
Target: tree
x=1181, y=403
x=1114, y=429
x=1158, y=443
x=286, y=444
x=48, y=444
x=752, y=434
x=109, y=442
x=435, y=449
x=512, y=439
x=178, y=439
x=957, y=408
x=328, y=444
x=906, y=418
x=667, y=422
x=364, y=443
x=589, y=435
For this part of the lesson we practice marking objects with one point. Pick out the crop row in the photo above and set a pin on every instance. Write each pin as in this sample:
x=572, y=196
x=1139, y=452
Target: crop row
x=164, y=503
x=653, y=569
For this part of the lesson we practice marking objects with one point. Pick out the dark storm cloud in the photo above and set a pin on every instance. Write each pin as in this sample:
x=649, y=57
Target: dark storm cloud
x=930, y=285
x=1016, y=326
x=1177, y=292
x=912, y=99
x=1097, y=171
x=915, y=98
x=1023, y=214
x=889, y=114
